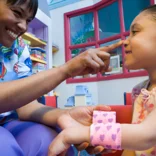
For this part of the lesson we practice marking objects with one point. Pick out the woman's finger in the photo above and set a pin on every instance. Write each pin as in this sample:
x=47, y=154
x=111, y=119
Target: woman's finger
x=100, y=60
x=94, y=150
x=105, y=58
x=102, y=108
x=63, y=153
x=111, y=47
x=82, y=146
x=92, y=64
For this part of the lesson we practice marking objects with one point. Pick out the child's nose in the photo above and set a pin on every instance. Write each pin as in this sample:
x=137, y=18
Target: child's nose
x=126, y=43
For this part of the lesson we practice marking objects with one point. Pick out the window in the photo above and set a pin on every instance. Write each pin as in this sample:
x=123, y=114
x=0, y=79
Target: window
x=109, y=21
x=81, y=29
x=101, y=25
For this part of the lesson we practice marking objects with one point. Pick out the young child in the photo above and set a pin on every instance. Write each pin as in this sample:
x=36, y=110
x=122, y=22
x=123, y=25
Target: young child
x=140, y=136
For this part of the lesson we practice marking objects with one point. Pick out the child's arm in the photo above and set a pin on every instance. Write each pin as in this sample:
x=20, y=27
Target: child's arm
x=133, y=136
x=140, y=136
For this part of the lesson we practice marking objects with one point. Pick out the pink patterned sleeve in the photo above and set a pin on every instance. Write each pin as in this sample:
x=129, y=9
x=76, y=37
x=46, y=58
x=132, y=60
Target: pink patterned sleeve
x=107, y=135
x=105, y=131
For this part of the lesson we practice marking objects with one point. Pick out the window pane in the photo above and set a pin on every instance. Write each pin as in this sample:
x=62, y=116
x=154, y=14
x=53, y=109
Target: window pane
x=116, y=61
x=131, y=9
x=82, y=29
x=76, y=52
x=109, y=22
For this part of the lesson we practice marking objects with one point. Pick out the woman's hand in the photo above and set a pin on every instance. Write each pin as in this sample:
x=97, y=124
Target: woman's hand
x=91, y=61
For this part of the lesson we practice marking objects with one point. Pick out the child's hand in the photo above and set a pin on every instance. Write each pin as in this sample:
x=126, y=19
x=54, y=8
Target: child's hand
x=82, y=116
x=73, y=135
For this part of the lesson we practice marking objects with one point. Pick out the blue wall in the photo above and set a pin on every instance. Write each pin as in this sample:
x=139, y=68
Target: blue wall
x=43, y=5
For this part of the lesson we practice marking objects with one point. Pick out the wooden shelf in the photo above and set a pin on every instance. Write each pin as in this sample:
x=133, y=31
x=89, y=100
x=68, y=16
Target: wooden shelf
x=55, y=48
x=35, y=42
x=37, y=60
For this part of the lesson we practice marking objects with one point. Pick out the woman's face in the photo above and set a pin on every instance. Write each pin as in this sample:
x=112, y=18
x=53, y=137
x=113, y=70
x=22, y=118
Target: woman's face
x=13, y=22
x=140, y=47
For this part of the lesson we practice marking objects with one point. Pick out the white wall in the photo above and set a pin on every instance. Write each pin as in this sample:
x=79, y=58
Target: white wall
x=104, y=92
x=112, y=92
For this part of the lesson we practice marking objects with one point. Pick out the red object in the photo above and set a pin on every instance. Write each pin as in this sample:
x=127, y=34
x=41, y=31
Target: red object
x=123, y=115
x=128, y=98
x=51, y=101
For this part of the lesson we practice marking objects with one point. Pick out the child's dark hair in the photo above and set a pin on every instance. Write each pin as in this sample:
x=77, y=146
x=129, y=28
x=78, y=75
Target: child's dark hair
x=32, y=4
x=152, y=10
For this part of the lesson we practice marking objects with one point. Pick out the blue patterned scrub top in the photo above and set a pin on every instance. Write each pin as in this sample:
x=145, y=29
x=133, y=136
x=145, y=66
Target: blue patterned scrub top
x=15, y=63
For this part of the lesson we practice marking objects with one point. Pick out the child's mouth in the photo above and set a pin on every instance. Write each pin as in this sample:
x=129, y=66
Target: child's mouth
x=128, y=52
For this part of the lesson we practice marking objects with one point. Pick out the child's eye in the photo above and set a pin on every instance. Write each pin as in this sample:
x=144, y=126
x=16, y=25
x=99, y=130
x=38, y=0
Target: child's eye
x=134, y=32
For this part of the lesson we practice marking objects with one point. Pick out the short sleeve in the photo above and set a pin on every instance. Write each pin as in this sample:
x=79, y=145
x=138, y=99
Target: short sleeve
x=137, y=89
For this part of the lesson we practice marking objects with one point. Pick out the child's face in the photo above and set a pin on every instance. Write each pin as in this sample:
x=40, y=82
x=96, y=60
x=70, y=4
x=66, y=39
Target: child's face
x=140, y=47
x=13, y=22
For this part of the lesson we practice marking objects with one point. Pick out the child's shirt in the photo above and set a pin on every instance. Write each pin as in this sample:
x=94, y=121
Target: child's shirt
x=144, y=103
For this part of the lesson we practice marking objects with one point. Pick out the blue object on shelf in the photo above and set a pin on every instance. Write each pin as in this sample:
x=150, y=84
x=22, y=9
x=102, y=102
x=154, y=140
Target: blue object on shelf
x=70, y=102
x=81, y=90
x=89, y=99
x=38, y=48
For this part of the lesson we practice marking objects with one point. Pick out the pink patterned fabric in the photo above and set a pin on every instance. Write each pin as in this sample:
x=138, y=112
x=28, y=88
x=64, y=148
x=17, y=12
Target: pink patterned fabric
x=104, y=117
x=107, y=135
x=105, y=131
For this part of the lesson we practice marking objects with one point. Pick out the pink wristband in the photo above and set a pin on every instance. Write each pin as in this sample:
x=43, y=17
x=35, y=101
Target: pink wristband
x=106, y=135
x=104, y=117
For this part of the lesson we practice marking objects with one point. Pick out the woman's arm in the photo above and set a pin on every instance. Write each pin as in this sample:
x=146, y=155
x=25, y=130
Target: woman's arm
x=40, y=113
x=18, y=93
